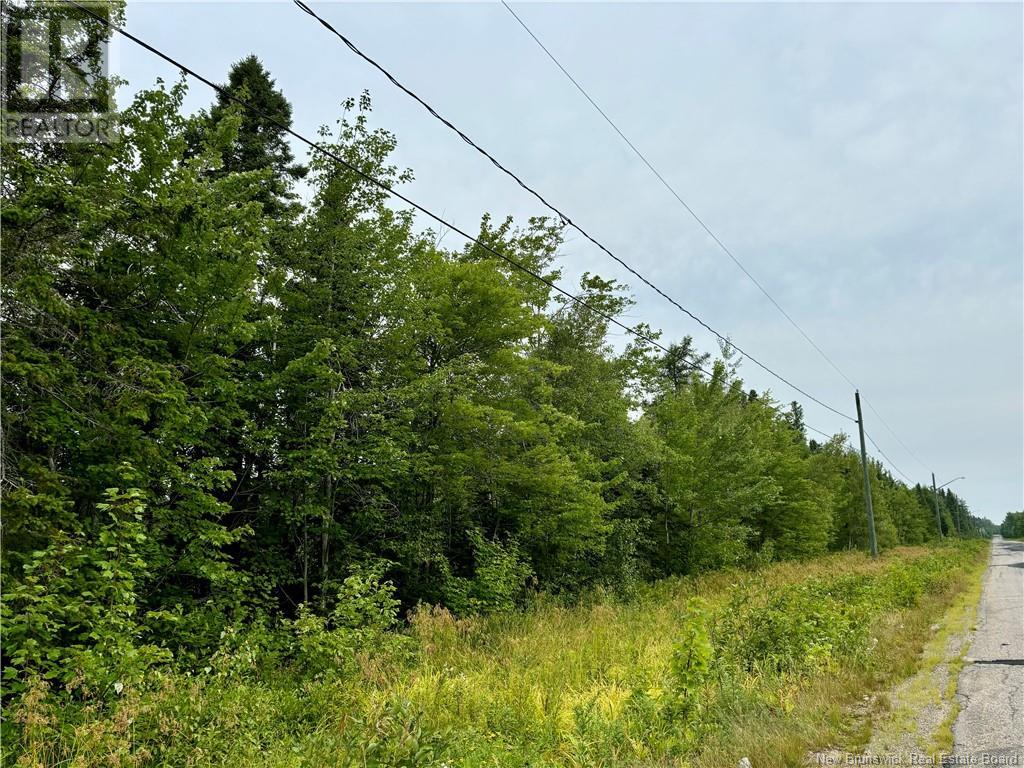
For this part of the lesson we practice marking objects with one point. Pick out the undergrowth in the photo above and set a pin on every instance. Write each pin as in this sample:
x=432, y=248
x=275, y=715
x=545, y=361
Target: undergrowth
x=695, y=671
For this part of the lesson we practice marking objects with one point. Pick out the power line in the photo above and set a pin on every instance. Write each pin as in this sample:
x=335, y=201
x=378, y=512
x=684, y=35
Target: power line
x=561, y=214
x=677, y=196
x=725, y=249
x=387, y=188
x=376, y=182
x=893, y=433
x=882, y=453
x=826, y=435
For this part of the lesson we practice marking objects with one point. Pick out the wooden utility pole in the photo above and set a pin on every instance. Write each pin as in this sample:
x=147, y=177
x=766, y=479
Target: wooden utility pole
x=867, y=482
x=935, y=497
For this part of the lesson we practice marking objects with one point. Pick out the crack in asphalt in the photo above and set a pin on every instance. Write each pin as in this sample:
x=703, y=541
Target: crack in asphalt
x=990, y=722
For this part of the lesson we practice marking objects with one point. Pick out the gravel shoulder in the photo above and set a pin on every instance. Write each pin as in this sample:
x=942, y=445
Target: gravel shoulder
x=914, y=725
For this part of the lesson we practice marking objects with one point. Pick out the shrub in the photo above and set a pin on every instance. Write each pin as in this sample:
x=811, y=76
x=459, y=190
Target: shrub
x=499, y=576
x=73, y=617
x=689, y=668
x=726, y=545
x=797, y=628
x=253, y=650
x=365, y=611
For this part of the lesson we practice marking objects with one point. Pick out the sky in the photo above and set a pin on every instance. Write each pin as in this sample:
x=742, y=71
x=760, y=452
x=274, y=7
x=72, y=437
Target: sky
x=863, y=161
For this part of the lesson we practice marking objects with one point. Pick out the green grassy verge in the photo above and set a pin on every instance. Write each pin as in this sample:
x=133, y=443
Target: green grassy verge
x=916, y=717
x=692, y=672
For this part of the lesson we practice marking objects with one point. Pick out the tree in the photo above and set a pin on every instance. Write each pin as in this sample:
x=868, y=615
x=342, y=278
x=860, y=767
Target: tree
x=713, y=473
x=1013, y=525
x=332, y=452
x=284, y=395
x=261, y=142
x=129, y=275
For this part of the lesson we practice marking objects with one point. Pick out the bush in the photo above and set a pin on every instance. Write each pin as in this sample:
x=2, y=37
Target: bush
x=364, y=614
x=73, y=617
x=689, y=668
x=723, y=546
x=499, y=576
x=798, y=627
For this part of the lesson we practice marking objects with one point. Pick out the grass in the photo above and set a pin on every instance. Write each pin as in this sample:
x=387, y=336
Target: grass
x=833, y=713
x=697, y=671
x=959, y=620
x=915, y=718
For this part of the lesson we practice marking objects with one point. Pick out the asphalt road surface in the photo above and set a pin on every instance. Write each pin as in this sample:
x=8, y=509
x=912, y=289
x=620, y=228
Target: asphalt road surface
x=990, y=727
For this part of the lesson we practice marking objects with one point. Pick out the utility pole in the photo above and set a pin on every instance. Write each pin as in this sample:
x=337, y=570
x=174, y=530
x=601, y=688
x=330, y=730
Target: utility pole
x=867, y=483
x=955, y=513
x=935, y=498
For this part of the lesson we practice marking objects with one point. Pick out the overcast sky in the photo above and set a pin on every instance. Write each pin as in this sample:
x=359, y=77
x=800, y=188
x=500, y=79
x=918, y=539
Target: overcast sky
x=864, y=161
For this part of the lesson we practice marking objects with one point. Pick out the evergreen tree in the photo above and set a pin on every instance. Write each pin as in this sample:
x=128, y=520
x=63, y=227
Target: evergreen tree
x=261, y=143
x=233, y=402
x=1013, y=525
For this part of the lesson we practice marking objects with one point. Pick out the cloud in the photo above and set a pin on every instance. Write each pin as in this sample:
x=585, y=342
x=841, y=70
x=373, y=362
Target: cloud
x=863, y=160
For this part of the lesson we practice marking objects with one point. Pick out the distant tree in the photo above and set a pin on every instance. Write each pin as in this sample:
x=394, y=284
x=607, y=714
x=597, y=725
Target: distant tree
x=982, y=526
x=1013, y=525
x=795, y=417
x=682, y=362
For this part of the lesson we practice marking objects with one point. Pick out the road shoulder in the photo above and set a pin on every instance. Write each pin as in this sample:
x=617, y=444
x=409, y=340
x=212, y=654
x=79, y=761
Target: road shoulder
x=914, y=719
x=990, y=691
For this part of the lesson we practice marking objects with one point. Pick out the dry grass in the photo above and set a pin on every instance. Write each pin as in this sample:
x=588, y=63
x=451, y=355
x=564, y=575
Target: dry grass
x=581, y=686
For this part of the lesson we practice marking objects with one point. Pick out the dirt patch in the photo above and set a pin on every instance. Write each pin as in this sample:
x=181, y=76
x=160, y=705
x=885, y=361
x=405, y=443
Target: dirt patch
x=914, y=718
x=923, y=704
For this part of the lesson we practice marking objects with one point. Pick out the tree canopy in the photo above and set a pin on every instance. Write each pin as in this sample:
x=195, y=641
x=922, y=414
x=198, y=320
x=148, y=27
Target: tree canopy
x=221, y=404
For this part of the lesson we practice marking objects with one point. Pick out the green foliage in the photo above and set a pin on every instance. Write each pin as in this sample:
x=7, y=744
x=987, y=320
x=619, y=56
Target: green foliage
x=798, y=628
x=365, y=610
x=499, y=577
x=657, y=681
x=809, y=625
x=689, y=670
x=259, y=144
x=292, y=390
x=73, y=618
x=1013, y=525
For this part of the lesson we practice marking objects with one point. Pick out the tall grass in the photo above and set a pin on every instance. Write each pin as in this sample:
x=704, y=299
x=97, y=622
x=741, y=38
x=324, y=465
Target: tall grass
x=696, y=671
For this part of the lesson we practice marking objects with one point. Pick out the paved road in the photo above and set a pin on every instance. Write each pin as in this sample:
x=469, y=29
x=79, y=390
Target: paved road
x=990, y=727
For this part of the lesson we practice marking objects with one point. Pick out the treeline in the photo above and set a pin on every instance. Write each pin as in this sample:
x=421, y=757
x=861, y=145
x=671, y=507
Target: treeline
x=956, y=515
x=1013, y=525
x=221, y=402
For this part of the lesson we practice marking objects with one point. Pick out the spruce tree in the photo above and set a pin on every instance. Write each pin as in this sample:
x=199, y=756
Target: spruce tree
x=261, y=142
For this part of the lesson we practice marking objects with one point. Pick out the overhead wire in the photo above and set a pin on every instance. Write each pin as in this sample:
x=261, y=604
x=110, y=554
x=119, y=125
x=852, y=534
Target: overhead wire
x=375, y=181
x=707, y=229
x=824, y=434
x=650, y=166
x=565, y=218
x=883, y=455
x=315, y=146
x=893, y=433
